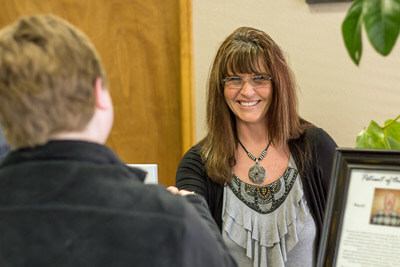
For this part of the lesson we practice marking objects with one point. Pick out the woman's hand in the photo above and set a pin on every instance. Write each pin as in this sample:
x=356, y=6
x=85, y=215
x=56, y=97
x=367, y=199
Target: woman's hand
x=176, y=191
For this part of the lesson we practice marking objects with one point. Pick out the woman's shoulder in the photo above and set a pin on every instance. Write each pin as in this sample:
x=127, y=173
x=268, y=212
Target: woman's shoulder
x=314, y=138
x=194, y=151
x=322, y=145
x=318, y=136
x=193, y=156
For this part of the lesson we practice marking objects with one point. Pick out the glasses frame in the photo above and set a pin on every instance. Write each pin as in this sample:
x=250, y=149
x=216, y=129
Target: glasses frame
x=243, y=81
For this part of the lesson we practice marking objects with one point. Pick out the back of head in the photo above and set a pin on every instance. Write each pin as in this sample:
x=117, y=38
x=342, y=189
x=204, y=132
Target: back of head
x=47, y=73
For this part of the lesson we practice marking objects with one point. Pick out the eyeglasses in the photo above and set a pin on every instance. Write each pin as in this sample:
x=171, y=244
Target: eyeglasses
x=256, y=81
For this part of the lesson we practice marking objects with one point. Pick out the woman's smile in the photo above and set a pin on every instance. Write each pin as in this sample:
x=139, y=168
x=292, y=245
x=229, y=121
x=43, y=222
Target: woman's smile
x=248, y=104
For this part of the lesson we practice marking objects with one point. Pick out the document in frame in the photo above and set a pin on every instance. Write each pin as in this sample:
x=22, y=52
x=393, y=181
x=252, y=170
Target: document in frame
x=362, y=219
x=371, y=225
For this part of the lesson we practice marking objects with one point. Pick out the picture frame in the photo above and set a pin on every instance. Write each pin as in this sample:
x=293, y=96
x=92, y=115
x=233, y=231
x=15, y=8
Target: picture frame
x=359, y=228
x=325, y=1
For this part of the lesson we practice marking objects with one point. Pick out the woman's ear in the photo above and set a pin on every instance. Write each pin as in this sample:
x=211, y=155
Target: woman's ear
x=103, y=98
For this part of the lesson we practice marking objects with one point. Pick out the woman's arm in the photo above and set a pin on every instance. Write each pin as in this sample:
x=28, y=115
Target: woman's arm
x=191, y=174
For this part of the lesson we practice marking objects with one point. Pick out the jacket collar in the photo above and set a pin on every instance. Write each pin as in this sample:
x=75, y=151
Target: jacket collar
x=69, y=150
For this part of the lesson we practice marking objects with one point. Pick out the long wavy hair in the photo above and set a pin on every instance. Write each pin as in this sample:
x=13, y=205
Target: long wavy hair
x=245, y=51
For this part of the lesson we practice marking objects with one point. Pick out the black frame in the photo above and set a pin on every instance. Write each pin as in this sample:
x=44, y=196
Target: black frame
x=346, y=160
x=325, y=1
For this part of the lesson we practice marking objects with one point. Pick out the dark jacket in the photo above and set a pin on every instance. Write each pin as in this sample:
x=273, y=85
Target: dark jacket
x=71, y=203
x=191, y=175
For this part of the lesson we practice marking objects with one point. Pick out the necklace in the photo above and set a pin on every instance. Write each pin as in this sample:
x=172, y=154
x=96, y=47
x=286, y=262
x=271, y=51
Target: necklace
x=256, y=172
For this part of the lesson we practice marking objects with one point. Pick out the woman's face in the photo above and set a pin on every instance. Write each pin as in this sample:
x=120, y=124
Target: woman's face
x=251, y=101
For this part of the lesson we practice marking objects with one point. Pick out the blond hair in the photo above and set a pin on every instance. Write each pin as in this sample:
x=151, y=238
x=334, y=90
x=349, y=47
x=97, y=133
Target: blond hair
x=48, y=70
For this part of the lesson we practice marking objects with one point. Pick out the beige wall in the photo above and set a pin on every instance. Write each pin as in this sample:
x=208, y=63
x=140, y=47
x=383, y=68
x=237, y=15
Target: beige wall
x=334, y=93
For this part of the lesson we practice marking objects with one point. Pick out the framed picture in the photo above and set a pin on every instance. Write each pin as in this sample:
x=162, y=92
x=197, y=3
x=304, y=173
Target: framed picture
x=325, y=1
x=362, y=220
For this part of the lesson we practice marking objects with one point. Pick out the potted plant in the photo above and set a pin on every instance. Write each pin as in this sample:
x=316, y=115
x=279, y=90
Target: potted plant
x=381, y=20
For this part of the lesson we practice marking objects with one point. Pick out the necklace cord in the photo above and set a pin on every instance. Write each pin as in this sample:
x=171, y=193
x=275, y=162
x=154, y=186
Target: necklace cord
x=251, y=155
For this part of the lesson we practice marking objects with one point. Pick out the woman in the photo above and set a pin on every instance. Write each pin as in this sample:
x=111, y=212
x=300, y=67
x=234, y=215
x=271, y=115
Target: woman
x=263, y=170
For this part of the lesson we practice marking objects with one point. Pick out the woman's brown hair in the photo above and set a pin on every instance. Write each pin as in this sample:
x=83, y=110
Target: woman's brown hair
x=245, y=51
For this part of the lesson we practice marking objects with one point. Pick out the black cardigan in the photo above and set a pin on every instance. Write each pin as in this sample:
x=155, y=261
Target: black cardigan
x=191, y=175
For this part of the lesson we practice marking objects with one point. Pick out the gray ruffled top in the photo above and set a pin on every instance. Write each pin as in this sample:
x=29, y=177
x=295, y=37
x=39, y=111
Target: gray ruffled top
x=262, y=224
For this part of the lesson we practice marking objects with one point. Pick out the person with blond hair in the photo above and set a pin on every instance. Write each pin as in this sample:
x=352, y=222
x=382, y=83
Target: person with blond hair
x=387, y=216
x=65, y=198
x=263, y=170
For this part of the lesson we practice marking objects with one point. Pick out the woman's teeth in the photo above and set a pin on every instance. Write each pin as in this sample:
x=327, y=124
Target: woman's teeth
x=248, y=104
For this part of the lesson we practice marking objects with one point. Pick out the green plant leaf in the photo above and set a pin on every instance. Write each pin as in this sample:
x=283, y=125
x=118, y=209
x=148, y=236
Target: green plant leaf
x=382, y=23
x=351, y=31
x=386, y=137
x=392, y=143
x=372, y=137
x=362, y=139
x=393, y=130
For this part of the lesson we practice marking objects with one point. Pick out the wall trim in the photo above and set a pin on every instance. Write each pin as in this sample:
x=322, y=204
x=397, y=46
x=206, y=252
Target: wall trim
x=187, y=87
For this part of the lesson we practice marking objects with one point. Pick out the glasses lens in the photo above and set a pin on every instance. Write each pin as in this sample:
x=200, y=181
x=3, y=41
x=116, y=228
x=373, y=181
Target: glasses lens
x=260, y=80
x=256, y=81
x=233, y=82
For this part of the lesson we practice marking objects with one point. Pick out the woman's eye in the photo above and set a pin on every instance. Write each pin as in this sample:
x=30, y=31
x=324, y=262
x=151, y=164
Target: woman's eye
x=259, y=78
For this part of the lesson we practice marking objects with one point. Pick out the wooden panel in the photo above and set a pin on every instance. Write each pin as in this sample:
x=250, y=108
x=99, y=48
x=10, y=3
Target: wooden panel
x=187, y=100
x=139, y=42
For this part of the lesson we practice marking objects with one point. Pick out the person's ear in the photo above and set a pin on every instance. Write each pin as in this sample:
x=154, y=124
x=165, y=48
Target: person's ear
x=103, y=98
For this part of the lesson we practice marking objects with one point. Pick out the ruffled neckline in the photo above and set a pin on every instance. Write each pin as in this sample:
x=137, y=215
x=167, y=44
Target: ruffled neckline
x=266, y=236
x=264, y=199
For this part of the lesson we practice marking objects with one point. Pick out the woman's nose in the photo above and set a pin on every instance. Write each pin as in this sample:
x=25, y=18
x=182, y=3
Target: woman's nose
x=247, y=88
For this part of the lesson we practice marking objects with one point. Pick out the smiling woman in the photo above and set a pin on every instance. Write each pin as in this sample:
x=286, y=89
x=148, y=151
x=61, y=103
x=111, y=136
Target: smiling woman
x=263, y=170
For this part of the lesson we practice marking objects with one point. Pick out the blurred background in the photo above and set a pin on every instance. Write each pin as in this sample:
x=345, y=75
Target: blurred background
x=157, y=54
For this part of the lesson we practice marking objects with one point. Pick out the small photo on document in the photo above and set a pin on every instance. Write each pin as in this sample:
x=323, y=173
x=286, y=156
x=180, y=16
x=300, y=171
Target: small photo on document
x=385, y=207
